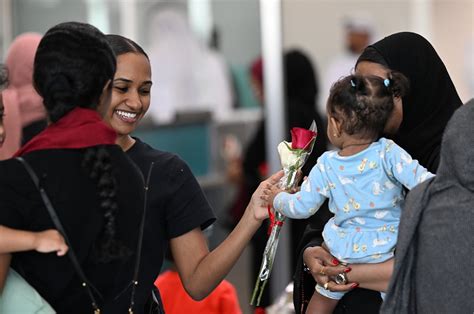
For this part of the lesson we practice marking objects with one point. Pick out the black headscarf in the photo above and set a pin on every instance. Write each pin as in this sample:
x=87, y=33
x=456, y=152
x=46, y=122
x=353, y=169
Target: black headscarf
x=301, y=89
x=432, y=98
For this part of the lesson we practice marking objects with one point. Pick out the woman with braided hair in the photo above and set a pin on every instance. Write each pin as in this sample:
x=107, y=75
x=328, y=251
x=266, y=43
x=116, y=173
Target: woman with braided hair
x=87, y=178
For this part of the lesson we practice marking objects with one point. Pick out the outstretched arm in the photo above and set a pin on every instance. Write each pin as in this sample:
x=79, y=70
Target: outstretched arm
x=200, y=270
x=12, y=240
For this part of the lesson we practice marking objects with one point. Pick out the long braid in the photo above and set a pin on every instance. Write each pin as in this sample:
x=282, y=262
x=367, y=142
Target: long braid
x=73, y=64
x=98, y=164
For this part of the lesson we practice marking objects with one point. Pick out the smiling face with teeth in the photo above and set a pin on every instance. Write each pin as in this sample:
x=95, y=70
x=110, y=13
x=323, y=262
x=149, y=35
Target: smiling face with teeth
x=130, y=95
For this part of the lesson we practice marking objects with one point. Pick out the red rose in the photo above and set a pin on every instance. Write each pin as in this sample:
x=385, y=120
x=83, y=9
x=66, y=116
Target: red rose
x=300, y=138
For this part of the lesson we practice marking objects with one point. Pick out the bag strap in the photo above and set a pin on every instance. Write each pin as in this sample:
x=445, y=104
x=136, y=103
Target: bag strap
x=134, y=283
x=57, y=223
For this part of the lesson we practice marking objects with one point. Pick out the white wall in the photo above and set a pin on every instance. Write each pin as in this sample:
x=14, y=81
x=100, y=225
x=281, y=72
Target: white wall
x=315, y=26
x=238, y=22
x=453, y=30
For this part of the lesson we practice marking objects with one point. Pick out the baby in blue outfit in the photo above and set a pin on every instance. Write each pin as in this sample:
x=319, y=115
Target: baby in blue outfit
x=365, y=179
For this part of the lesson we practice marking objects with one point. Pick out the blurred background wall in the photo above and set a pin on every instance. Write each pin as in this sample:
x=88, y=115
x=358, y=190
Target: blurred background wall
x=231, y=29
x=314, y=25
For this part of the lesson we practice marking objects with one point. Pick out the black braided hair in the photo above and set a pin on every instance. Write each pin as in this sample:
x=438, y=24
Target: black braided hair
x=121, y=45
x=364, y=103
x=98, y=164
x=73, y=64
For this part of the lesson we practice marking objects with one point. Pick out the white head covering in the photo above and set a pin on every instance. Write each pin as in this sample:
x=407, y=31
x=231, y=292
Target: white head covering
x=187, y=75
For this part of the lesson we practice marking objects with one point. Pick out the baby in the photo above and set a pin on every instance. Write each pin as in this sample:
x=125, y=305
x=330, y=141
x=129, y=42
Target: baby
x=364, y=179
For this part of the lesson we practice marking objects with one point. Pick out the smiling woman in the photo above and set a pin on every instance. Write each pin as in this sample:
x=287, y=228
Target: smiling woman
x=177, y=208
x=130, y=96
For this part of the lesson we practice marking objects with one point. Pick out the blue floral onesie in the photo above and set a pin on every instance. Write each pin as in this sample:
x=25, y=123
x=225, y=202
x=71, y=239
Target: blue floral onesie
x=366, y=193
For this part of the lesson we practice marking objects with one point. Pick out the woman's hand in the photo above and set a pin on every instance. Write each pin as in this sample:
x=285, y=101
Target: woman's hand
x=323, y=267
x=260, y=198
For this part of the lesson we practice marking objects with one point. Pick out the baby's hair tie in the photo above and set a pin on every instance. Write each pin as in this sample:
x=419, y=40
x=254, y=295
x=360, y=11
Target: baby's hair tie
x=386, y=82
x=352, y=83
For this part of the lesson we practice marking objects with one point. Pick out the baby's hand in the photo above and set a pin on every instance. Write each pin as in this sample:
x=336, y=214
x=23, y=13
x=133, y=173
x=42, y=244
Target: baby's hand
x=259, y=202
x=50, y=241
x=271, y=192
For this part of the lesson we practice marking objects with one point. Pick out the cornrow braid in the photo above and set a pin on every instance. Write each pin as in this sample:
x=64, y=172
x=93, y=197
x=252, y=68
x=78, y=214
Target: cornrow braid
x=97, y=163
x=72, y=65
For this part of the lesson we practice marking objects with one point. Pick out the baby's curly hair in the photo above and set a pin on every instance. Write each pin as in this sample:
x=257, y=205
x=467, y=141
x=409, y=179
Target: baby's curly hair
x=364, y=103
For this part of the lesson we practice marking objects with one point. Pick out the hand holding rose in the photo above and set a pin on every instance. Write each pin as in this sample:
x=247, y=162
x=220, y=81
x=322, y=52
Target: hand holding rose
x=292, y=157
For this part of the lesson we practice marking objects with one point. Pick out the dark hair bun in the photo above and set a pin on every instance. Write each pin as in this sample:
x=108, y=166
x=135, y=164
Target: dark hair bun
x=72, y=65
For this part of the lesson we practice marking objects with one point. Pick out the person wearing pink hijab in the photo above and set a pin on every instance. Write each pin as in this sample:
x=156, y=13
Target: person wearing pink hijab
x=8, y=145
x=25, y=115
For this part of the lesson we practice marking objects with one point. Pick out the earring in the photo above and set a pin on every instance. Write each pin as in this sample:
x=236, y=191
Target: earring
x=335, y=135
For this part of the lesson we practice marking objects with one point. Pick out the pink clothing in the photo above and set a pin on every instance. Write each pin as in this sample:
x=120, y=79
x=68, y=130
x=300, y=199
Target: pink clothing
x=223, y=300
x=11, y=124
x=19, y=62
x=22, y=103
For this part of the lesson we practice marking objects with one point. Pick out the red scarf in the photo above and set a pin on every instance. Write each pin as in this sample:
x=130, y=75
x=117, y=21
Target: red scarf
x=79, y=128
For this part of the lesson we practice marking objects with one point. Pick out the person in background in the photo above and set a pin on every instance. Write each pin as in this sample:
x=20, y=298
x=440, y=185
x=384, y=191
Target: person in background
x=21, y=92
x=193, y=77
x=8, y=145
x=301, y=91
x=176, y=300
x=301, y=94
x=4, y=262
x=436, y=227
x=416, y=124
x=358, y=34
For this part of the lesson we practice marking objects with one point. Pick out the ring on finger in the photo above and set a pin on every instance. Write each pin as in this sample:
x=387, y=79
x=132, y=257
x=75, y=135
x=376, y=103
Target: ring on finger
x=322, y=272
x=326, y=286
